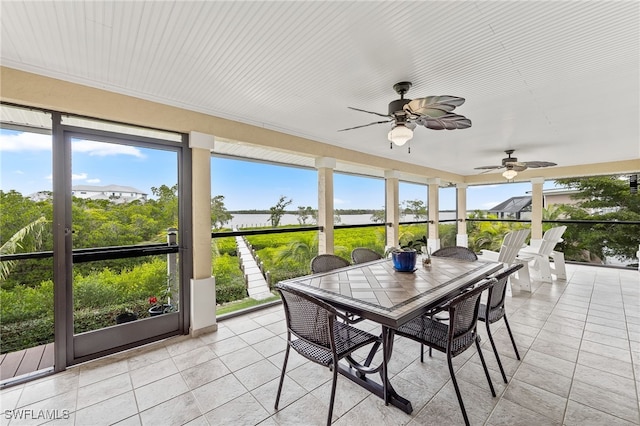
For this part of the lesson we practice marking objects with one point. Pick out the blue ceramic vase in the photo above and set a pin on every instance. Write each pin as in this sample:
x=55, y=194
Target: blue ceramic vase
x=404, y=260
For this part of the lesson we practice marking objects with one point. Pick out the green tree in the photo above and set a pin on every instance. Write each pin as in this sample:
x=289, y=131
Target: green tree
x=304, y=214
x=278, y=210
x=219, y=214
x=378, y=216
x=604, y=198
x=416, y=208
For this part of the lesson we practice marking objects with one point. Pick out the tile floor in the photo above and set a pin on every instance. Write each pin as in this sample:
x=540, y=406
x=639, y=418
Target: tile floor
x=579, y=341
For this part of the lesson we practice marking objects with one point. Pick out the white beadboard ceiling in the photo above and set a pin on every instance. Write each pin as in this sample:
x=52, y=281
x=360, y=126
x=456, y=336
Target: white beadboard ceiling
x=556, y=80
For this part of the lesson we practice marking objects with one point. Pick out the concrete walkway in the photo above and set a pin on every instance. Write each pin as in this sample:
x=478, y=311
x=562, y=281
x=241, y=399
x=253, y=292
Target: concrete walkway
x=257, y=286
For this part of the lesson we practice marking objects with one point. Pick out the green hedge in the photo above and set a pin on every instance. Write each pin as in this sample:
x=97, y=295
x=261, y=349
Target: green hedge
x=40, y=330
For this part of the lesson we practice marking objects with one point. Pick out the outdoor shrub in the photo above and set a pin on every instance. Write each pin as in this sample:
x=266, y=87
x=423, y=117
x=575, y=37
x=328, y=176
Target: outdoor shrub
x=22, y=303
x=18, y=335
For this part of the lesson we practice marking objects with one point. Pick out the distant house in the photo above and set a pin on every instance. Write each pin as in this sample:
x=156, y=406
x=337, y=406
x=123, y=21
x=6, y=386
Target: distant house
x=513, y=208
x=114, y=193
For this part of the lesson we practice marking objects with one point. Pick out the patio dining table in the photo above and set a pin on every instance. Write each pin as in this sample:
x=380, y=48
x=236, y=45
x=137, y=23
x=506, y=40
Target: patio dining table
x=375, y=291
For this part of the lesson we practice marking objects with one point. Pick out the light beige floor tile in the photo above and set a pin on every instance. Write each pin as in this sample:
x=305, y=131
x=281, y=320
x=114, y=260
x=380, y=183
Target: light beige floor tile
x=583, y=415
x=194, y=357
x=544, y=379
x=101, y=369
x=241, y=324
x=257, y=374
x=609, y=402
x=372, y=411
x=130, y=421
x=535, y=399
x=222, y=333
x=147, y=355
x=109, y=411
x=176, y=411
x=218, y=392
x=307, y=410
x=160, y=391
x=104, y=389
x=241, y=358
x=47, y=388
x=604, y=363
x=204, y=373
x=257, y=335
x=243, y=410
x=266, y=394
x=508, y=413
x=153, y=372
x=270, y=346
x=226, y=346
x=551, y=363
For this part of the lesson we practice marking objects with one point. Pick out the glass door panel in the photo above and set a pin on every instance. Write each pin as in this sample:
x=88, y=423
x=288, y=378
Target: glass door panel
x=124, y=216
x=26, y=244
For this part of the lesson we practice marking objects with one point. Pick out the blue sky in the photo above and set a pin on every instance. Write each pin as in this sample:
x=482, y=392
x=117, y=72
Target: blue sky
x=25, y=165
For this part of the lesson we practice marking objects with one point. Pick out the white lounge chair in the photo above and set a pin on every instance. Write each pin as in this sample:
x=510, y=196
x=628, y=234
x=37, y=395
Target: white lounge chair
x=512, y=243
x=538, y=257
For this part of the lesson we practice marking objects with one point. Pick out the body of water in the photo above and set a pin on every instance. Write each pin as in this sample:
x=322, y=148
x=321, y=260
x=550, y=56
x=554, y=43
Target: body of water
x=255, y=220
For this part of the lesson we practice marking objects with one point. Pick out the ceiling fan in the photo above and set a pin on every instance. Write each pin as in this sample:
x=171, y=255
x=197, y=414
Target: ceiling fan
x=432, y=112
x=513, y=166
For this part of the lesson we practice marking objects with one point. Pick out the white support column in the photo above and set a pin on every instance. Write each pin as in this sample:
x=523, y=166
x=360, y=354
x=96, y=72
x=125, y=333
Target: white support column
x=203, y=286
x=392, y=206
x=536, y=211
x=462, y=239
x=325, y=168
x=433, y=239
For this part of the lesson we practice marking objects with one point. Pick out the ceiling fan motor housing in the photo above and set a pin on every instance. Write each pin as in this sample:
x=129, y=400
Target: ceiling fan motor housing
x=395, y=107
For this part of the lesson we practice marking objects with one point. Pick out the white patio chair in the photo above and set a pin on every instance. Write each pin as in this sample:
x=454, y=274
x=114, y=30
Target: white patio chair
x=538, y=257
x=512, y=243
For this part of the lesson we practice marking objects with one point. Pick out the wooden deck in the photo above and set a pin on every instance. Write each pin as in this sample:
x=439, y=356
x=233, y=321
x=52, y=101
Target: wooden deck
x=15, y=364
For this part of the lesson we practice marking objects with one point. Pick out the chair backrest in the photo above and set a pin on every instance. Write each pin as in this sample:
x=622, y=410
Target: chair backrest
x=363, y=254
x=498, y=291
x=549, y=240
x=308, y=318
x=511, y=245
x=327, y=262
x=463, y=317
x=457, y=252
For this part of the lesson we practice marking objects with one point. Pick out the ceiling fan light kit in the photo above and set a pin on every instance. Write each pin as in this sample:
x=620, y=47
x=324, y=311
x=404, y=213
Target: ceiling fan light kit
x=513, y=166
x=432, y=112
x=400, y=134
x=509, y=174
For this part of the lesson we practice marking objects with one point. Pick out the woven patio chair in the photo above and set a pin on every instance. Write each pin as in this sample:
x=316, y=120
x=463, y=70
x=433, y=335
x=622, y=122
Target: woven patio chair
x=313, y=332
x=327, y=262
x=363, y=255
x=494, y=310
x=455, y=337
x=456, y=252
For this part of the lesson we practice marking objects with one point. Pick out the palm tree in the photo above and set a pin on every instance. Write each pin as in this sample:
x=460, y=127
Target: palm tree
x=18, y=241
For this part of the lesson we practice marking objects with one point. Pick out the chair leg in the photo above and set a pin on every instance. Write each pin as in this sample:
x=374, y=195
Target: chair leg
x=455, y=386
x=484, y=366
x=421, y=352
x=495, y=352
x=333, y=392
x=544, y=268
x=558, y=265
x=513, y=342
x=284, y=369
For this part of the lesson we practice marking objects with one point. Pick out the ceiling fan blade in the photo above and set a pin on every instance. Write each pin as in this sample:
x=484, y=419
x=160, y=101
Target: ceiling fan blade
x=365, y=125
x=446, y=122
x=488, y=167
x=433, y=106
x=535, y=164
x=369, y=112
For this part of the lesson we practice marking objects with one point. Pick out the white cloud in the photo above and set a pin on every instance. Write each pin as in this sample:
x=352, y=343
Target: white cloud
x=102, y=149
x=78, y=176
x=93, y=180
x=25, y=142
x=338, y=201
x=19, y=172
